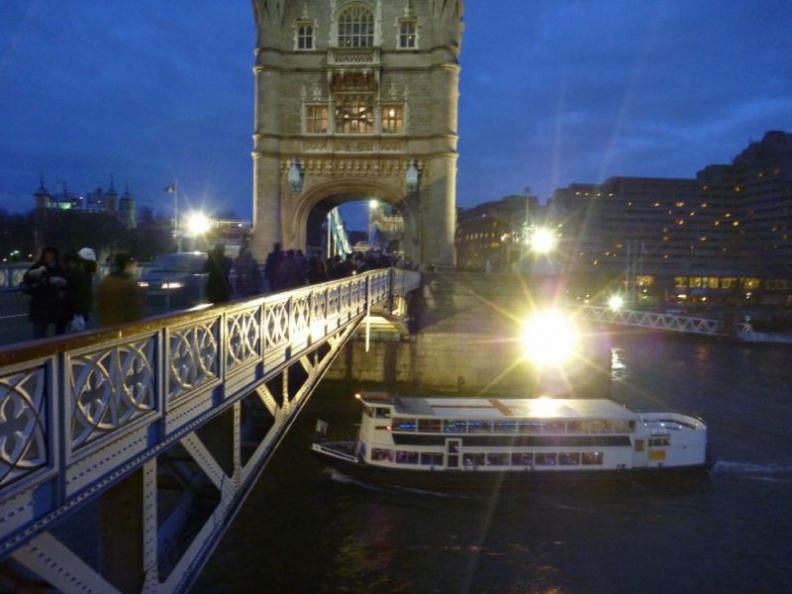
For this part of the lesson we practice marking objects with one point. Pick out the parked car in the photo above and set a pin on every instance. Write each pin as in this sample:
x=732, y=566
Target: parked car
x=174, y=281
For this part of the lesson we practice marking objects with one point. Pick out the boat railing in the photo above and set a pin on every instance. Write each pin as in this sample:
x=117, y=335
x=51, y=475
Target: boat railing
x=686, y=421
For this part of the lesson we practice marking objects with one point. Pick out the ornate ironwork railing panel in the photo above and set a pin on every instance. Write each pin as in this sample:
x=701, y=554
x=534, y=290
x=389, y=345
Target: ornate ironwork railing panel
x=79, y=412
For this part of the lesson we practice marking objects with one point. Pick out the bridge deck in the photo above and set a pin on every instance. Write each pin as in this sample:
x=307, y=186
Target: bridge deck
x=80, y=413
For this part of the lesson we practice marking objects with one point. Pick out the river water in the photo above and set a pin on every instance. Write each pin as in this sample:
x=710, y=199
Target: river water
x=305, y=530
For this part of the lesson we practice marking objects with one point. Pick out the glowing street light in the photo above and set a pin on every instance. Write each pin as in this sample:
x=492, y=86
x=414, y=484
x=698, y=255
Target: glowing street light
x=550, y=339
x=543, y=241
x=616, y=302
x=197, y=223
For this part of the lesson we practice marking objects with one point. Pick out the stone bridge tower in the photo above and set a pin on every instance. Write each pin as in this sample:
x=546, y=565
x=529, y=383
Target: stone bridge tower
x=356, y=100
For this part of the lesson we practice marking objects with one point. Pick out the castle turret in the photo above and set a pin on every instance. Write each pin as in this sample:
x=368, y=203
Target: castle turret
x=112, y=197
x=42, y=196
x=127, y=209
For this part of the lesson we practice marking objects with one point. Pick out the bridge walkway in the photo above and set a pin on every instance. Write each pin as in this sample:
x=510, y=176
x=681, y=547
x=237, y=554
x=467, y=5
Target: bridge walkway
x=160, y=428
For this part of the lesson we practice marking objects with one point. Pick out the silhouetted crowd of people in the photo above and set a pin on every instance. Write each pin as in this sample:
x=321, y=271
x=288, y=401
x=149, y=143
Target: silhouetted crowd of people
x=61, y=291
x=63, y=297
x=290, y=269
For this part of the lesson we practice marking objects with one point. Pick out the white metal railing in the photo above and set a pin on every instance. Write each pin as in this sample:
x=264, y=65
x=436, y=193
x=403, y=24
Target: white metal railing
x=78, y=412
x=659, y=321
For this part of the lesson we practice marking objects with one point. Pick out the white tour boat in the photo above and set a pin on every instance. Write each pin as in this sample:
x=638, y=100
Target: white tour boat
x=461, y=443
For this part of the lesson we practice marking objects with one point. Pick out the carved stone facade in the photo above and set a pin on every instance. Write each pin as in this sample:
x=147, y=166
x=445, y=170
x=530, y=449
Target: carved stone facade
x=349, y=94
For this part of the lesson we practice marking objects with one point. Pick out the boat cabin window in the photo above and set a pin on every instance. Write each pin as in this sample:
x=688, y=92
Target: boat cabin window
x=479, y=427
x=509, y=427
x=473, y=460
x=569, y=459
x=431, y=458
x=522, y=460
x=497, y=459
x=577, y=427
x=543, y=459
x=451, y=426
x=404, y=457
x=592, y=458
x=530, y=426
x=660, y=440
x=554, y=427
x=402, y=424
x=601, y=427
x=382, y=413
x=623, y=426
x=430, y=425
x=381, y=455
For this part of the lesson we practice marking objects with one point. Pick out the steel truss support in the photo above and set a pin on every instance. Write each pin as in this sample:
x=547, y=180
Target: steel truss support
x=148, y=538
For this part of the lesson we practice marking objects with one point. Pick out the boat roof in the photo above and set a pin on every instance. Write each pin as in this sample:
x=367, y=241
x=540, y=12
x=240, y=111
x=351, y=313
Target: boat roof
x=502, y=408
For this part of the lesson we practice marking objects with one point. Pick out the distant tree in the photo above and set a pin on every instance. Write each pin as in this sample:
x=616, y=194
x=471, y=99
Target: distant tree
x=71, y=230
x=145, y=215
x=151, y=239
x=16, y=236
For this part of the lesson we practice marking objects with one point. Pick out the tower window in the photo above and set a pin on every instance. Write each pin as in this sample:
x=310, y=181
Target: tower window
x=305, y=35
x=392, y=119
x=354, y=114
x=408, y=34
x=316, y=119
x=356, y=27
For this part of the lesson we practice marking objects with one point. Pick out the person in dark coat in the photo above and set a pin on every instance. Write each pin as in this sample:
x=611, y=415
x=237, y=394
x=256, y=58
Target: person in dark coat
x=248, y=277
x=218, y=266
x=46, y=282
x=271, y=266
x=79, y=290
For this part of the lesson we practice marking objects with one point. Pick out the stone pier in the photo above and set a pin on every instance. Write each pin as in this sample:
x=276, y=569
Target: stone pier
x=467, y=339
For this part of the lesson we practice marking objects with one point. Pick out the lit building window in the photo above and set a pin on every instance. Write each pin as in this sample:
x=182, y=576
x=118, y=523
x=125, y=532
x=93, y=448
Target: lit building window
x=356, y=27
x=408, y=34
x=354, y=114
x=392, y=119
x=316, y=119
x=305, y=35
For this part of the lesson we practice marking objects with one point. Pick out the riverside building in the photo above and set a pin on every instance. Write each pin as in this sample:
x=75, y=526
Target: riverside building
x=723, y=237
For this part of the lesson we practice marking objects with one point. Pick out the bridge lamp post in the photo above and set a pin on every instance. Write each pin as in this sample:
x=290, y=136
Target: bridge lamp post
x=197, y=224
x=543, y=241
x=296, y=176
x=616, y=302
x=551, y=341
x=413, y=177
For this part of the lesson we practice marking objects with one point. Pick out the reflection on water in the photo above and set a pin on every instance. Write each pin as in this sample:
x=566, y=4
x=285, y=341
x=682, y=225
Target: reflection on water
x=619, y=370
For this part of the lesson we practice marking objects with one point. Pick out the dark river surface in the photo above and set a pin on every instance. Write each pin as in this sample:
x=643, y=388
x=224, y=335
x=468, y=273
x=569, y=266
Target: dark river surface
x=303, y=529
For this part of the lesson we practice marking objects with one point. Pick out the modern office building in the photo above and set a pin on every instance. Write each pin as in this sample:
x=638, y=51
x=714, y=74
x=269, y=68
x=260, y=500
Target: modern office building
x=724, y=236
x=491, y=235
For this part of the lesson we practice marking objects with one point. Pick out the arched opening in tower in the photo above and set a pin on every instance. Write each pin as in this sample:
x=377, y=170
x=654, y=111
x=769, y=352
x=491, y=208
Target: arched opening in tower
x=355, y=225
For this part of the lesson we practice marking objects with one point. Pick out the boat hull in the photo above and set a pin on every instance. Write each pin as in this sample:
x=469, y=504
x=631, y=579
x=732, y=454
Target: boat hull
x=473, y=480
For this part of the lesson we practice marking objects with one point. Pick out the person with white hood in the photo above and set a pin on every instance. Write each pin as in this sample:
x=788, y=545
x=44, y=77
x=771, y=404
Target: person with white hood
x=79, y=290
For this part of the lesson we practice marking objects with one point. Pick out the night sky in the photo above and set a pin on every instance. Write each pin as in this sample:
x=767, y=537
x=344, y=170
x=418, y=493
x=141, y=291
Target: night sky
x=552, y=92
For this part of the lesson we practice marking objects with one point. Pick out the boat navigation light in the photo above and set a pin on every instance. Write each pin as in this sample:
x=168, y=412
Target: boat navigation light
x=616, y=302
x=358, y=396
x=550, y=338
